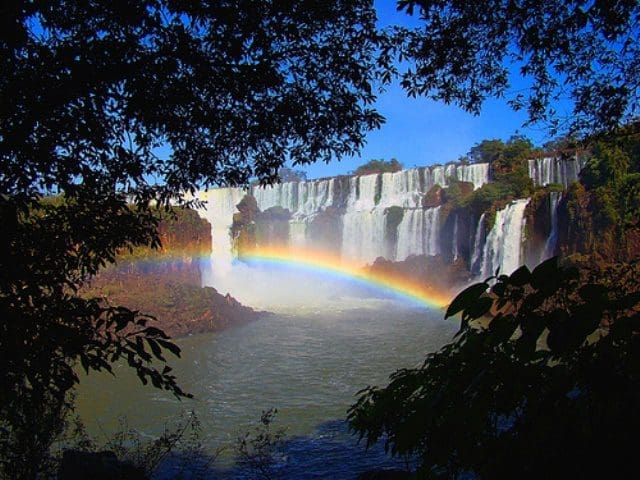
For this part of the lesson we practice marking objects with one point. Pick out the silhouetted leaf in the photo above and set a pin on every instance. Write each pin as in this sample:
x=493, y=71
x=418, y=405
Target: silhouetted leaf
x=499, y=289
x=172, y=347
x=628, y=301
x=533, y=301
x=545, y=274
x=520, y=277
x=502, y=328
x=592, y=292
x=155, y=332
x=466, y=298
x=155, y=348
x=587, y=317
x=479, y=308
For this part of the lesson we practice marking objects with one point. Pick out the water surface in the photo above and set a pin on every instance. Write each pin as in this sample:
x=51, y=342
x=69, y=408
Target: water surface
x=308, y=364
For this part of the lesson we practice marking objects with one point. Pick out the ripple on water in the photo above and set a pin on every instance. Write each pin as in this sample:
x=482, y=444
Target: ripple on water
x=307, y=365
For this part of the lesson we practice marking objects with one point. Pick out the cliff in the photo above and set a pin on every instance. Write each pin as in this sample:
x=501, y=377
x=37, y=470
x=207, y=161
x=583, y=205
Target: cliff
x=166, y=283
x=459, y=222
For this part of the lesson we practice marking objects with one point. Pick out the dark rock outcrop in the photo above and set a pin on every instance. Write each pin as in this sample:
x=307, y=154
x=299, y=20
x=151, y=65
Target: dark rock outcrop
x=166, y=283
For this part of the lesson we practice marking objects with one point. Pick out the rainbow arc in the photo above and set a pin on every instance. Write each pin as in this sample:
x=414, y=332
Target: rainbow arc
x=322, y=262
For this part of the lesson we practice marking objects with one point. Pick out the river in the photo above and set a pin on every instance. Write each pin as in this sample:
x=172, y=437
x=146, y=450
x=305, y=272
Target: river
x=307, y=363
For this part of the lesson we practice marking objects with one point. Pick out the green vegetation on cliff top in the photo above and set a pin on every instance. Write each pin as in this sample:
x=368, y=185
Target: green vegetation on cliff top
x=378, y=166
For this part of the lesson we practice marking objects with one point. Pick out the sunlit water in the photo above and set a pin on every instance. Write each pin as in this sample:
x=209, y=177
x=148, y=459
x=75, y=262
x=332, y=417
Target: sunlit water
x=307, y=364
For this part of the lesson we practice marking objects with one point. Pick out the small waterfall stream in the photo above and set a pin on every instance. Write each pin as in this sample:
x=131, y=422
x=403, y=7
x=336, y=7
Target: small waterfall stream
x=503, y=247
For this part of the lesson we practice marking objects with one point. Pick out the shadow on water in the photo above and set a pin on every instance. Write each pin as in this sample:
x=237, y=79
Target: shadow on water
x=331, y=452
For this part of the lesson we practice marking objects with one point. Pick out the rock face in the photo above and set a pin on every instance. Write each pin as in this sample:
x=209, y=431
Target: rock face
x=463, y=221
x=456, y=212
x=450, y=276
x=166, y=283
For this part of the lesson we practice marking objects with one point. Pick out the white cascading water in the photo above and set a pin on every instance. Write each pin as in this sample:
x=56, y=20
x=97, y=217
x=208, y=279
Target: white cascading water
x=454, y=246
x=418, y=233
x=363, y=225
x=363, y=201
x=552, y=239
x=218, y=211
x=503, y=246
x=477, y=173
x=400, y=189
x=363, y=235
x=300, y=198
x=544, y=171
x=361, y=207
x=476, y=254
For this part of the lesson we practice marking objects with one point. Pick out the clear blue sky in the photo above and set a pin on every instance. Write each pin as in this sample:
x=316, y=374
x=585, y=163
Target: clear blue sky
x=423, y=132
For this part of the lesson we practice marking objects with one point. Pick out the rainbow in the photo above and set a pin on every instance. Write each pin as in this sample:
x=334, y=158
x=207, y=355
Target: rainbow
x=322, y=262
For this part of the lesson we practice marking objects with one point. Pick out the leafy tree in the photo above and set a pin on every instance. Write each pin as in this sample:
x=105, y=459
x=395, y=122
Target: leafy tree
x=541, y=381
x=486, y=151
x=121, y=106
x=457, y=192
x=259, y=451
x=582, y=51
x=606, y=208
x=286, y=174
x=378, y=166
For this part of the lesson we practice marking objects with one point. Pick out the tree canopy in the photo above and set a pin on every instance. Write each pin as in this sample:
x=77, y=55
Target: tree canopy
x=90, y=91
x=378, y=166
x=116, y=107
x=541, y=381
x=580, y=53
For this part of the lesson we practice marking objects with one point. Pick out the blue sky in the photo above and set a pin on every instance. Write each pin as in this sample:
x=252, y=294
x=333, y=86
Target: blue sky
x=423, y=132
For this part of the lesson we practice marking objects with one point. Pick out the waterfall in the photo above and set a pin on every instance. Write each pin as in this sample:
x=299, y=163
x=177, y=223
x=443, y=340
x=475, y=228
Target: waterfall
x=544, y=171
x=300, y=198
x=418, y=233
x=476, y=255
x=476, y=173
x=363, y=235
x=503, y=246
x=552, y=239
x=218, y=211
x=454, y=247
x=356, y=208
x=400, y=189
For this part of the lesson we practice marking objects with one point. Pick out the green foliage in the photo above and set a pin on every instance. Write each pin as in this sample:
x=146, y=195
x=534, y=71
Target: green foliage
x=286, y=174
x=609, y=201
x=258, y=451
x=90, y=92
x=47, y=252
x=503, y=157
x=486, y=151
x=393, y=217
x=584, y=50
x=378, y=166
x=488, y=196
x=179, y=447
x=457, y=193
x=608, y=164
x=509, y=171
x=543, y=374
x=629, y=199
